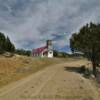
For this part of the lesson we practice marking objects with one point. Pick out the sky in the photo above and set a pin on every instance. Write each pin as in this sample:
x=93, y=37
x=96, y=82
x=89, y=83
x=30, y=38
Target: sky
x=29, y=23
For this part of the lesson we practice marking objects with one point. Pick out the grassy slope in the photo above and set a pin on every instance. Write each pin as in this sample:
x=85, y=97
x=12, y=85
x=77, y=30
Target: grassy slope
x=15, y=68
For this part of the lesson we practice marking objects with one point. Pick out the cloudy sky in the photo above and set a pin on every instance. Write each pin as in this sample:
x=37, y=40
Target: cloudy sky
x=29, y=23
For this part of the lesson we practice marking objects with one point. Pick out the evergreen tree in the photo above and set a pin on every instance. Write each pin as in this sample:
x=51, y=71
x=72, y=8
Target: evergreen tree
x=5, y=44
x=87, y=41
x=2, y=42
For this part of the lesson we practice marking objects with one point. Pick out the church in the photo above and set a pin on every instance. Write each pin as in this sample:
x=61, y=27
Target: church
x=45, y=51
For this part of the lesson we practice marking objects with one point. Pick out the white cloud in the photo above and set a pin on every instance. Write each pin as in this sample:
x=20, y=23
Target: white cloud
x=29, y=21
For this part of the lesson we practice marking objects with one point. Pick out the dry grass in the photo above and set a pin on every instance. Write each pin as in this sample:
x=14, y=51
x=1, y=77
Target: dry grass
x=18, y=67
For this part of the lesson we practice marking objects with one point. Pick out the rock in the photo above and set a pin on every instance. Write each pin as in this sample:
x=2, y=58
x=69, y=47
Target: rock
x=92, y=76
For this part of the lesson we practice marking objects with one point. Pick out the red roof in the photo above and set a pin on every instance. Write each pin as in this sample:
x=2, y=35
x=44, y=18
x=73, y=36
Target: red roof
x=39, y=50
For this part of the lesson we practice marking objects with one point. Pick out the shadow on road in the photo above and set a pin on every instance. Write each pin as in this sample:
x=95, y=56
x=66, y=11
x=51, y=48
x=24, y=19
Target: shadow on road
x=73, y=69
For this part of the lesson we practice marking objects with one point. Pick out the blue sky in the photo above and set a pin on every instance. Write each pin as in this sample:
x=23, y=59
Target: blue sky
x=30, y=22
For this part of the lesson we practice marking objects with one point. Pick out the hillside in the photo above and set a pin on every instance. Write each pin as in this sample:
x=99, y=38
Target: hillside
x=17, y=67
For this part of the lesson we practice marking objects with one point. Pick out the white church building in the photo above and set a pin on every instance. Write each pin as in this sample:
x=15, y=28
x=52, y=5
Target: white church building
x=45, y=51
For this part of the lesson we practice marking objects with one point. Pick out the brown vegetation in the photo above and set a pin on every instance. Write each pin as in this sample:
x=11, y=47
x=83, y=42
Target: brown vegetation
x=18, y=67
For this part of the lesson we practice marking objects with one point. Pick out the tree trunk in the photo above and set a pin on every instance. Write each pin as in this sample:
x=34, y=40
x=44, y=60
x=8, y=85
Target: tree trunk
x=93, y=59
x=94, y=68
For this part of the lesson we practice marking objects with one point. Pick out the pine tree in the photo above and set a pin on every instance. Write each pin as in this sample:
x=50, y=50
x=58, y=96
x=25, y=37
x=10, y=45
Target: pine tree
x=2, y=42
x=9, y=46
x=87, y=41
x=6, y=44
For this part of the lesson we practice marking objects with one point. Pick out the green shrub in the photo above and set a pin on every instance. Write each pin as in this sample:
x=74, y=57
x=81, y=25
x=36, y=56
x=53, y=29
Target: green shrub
x=87, y=73
x=82, y=69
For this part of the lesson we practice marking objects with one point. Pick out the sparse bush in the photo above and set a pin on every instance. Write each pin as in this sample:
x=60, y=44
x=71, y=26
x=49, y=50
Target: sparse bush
x=23, y=52
x=82, y=69
x=87, y=73
x=60, y=54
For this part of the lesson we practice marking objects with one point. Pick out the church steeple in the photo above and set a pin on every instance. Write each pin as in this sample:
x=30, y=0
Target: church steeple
x=50, y=48
x=49, y=44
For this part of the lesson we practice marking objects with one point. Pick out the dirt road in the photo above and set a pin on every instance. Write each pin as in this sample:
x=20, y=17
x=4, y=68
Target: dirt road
x=52, y=83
